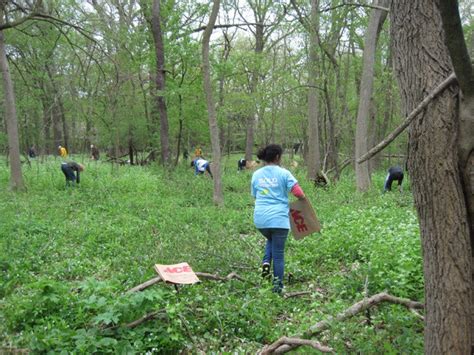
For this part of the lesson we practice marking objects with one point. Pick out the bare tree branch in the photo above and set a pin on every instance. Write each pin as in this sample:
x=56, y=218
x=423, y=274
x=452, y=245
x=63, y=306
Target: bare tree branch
x=297, y=342
x=304, y=22
x=203, y=275
x=373, y=6
x=394, y=134
x=296, y=294
x=356, y=308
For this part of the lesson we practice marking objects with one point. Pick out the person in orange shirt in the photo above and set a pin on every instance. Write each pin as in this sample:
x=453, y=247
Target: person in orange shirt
x=198, y=153
x=62, y=152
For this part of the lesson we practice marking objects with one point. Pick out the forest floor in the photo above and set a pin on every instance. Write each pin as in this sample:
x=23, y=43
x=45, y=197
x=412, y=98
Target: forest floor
x=68, y=256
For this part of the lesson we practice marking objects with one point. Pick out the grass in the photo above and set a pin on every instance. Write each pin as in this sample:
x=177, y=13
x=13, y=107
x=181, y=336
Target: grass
x=67, y=257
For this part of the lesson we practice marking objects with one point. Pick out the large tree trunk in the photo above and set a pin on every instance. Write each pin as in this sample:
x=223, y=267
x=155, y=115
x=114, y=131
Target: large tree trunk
x=16, y=178
x=376, y=21
x=313, y=156
x=463, y=68
x=422, y=61
x=211, y=109
x=160, y=80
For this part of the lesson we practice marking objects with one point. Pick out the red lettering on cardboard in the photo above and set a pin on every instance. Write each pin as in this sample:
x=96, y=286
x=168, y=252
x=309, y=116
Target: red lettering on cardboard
x=177, y=270
x=299, y=220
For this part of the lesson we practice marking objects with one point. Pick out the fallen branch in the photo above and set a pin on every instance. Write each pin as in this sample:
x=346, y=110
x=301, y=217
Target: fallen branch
x=144, y=319
x=421, y=106
x=418, y=315
x=343, y=165
x=203, y=275
x=297, y=342
x=348, y=313
x=145, y=285
x=296, y=294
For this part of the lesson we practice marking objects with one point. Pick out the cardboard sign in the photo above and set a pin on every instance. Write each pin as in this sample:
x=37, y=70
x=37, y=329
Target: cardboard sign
x=177, y=274
x=303, y=219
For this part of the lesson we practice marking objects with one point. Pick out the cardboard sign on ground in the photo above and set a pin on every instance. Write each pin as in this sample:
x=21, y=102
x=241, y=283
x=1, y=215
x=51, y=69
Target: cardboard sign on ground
x=177, y=274
x=303, y=219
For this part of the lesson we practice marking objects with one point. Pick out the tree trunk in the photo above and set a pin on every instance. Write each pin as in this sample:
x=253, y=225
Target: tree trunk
x=160, y=80
x=48, y=145
x=422, y=61
x=211, y=109
x=180, y=131
x=332, y=154
x=376, y=21
x=313, y=153
x=259, y=43
x=16, y=178
x=464, y=70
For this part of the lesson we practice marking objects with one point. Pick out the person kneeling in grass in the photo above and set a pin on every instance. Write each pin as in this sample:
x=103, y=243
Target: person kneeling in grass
x=270, y=186
x=71, y=171
x=200, y=166
x=394, y=173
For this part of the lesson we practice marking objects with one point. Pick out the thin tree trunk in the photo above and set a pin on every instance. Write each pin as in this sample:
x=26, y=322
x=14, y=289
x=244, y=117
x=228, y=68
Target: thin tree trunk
x=313, y=152
x=250, y=138
x=160, y=80
x=47, y=144
x=376, y=21
x=180, y=131
x=211, y=110
x=421, y=62
x=332, y=136
x=16, y=177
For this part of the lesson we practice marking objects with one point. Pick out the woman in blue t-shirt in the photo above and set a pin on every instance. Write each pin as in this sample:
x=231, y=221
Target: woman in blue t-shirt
x=270, y=186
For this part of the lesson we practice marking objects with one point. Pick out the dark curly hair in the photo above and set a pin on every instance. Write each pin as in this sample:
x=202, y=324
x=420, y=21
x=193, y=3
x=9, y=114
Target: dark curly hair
x=270, y=153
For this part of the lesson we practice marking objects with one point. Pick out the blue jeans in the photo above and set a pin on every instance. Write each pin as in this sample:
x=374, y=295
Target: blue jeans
x=275, y=249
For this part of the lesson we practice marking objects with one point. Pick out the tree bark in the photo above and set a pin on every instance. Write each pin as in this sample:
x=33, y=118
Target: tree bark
x=259, y=44
x=61, y=136
x=313, y=156
x=421, y=61
x=376, y=21
x=454, y=39
x=211, y=109
x=16, y=177
x=160, y=81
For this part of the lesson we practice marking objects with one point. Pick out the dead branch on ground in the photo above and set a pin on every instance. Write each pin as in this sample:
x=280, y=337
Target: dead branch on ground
x=203, y=275
x=280, y=347
x=296, y=294
x=299, y=342
x=145, y=318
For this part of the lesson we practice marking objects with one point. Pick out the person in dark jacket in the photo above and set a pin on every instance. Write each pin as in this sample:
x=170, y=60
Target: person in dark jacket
x=241, y=164
x=394, y=173
x=32, y=152
x=95, y=155
x=71, y=171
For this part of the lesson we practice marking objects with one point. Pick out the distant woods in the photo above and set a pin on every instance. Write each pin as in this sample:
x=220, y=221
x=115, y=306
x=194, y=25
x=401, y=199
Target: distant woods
x=128, y=76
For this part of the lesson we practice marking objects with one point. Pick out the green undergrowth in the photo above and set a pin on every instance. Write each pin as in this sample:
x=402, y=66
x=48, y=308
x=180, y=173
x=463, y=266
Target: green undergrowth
x=68, y=256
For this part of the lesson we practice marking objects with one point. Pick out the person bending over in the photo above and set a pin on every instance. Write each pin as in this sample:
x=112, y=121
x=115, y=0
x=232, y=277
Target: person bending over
x=71, y=171
x=394, y=173
x=270, y=187
x=200, y=166
x=241, y=164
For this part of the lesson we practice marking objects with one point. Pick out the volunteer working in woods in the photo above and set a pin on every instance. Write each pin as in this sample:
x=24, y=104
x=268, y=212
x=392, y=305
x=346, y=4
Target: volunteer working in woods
x=270, y=187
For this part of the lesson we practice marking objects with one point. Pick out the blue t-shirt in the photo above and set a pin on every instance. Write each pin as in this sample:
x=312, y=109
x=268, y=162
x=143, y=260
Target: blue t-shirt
x=270, y=186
